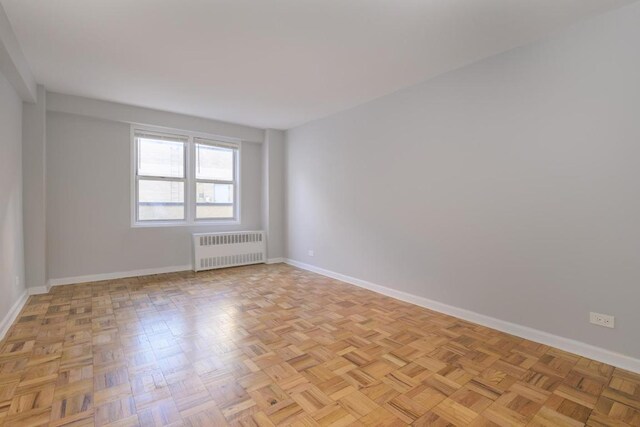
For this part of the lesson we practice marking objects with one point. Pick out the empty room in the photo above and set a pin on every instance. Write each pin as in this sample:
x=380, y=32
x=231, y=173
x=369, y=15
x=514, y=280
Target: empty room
x=319, y=213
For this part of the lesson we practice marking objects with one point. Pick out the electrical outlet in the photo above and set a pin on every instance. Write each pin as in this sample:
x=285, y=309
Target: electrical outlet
x=311, y=253
x=17, y=281
x=602, y=320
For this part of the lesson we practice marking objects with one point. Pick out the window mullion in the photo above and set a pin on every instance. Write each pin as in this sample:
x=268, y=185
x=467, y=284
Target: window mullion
x=191, y=191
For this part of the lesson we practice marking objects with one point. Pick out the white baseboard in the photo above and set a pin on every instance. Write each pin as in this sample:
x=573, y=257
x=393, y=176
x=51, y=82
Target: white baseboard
x=37, y=290
x=6, y=323
x=587, y=350
x=119, y=275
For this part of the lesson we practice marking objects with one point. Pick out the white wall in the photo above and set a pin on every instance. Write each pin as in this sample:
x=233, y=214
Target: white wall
x=273, y=172
x=34, y=176
x=510, y=187
x=132, y=114
x=13, y=64
x=88, y=202
x=11, y=240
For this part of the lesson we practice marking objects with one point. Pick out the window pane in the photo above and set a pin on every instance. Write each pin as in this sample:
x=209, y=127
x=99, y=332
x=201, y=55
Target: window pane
x=160, y=158
x=214, y=162
x=214, y=211
x=214, y=200
x=160, y=200
x=214, y=193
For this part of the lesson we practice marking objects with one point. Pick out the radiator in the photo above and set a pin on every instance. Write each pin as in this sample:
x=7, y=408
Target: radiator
x=219, y=250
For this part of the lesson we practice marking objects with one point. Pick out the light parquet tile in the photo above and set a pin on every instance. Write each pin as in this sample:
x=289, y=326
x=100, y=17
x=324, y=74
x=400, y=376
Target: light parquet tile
x=274, y=345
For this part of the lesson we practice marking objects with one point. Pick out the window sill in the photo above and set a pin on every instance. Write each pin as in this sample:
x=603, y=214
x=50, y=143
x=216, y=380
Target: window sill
x=185, y=223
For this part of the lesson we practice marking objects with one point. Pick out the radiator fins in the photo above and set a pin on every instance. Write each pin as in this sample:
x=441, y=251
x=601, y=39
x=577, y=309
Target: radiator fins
x=230, y=260
x=229, y=239
x=219, y=250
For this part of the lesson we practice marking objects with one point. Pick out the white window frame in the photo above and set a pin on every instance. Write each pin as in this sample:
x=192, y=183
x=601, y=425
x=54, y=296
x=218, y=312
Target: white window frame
x=189, y=180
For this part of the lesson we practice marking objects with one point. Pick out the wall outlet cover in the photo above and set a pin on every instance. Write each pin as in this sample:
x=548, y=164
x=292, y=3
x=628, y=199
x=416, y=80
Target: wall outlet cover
x=602, y=319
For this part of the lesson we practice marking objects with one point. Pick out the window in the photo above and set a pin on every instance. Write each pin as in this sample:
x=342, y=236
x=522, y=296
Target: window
x=215, y=179
x=183, y=179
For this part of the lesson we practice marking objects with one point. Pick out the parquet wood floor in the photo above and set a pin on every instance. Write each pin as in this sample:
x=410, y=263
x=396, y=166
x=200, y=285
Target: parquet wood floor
x=274, y=345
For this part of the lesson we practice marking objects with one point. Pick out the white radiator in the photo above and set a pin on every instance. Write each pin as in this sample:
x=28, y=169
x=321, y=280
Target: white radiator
x=219, y=250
